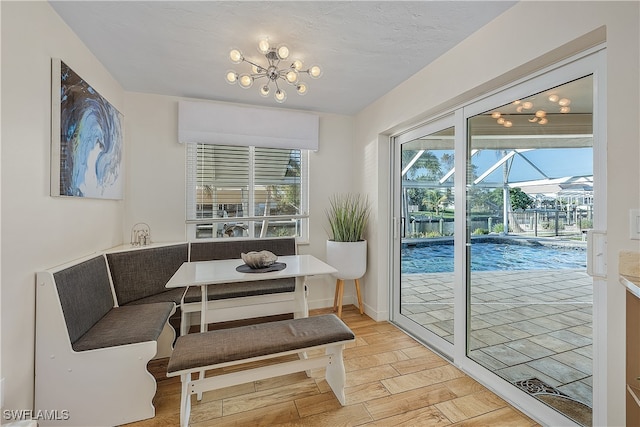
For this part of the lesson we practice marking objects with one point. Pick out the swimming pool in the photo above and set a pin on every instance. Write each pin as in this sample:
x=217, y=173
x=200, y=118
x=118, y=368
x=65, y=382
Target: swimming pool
x=488, y=256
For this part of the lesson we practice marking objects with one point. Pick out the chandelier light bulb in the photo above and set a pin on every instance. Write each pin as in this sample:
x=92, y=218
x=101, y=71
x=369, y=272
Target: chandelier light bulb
x=533, y=120
x=519, y=108
x=245, y=81
x=280, y=96
x=496, y=114
x=296, y=65
x=264, y=90
x=263, y=46
x=236, y=56
x=301, y=88
x=231, y=77
x=527, y=105
x=507, y=124
x=541, y=113
x=315, y=72
x=501, y=121
x=255, y=69
x=516, y=102
x=565, y=110
x=554, y=98
x=543, y=121
x=292, y=76
x=283, y=52
x=564, y=102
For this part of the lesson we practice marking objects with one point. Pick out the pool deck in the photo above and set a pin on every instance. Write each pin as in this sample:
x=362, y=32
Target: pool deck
x=524, y=324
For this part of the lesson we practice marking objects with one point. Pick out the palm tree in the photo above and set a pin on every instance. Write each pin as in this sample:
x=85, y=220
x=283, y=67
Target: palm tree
x=433, y=200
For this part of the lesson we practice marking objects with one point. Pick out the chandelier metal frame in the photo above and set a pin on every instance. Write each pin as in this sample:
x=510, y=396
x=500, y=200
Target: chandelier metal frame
x=272, y=72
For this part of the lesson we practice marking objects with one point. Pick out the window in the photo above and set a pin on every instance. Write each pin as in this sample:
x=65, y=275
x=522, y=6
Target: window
x=238, y=191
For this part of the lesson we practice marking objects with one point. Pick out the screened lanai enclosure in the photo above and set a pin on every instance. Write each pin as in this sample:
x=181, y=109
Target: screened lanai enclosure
x=521, y=259
x=529, y=179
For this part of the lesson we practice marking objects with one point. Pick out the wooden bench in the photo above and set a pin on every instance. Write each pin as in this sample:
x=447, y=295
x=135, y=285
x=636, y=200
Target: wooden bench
x=196, y=353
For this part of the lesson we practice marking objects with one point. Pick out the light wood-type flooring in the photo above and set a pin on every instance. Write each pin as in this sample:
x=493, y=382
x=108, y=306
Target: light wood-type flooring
x=392, y=380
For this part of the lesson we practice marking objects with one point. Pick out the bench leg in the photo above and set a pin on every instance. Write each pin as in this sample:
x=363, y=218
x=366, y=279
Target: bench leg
x=199, y=394
x=335, y=373
x=185, y=401
x=304, y=356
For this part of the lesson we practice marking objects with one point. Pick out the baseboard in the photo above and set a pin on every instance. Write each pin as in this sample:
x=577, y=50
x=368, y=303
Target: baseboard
x=378, y=316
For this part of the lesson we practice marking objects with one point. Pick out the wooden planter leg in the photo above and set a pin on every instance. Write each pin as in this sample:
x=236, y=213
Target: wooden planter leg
x=359, y=296
x=335, y=297
x=340, y=285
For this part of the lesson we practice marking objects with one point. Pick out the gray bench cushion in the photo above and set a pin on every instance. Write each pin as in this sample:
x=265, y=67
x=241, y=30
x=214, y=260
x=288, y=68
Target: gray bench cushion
x=230, y=249
x=172, y=295
x=126, y=325
x=228, y=345
x=241, y=289
x=139, y=274
x=85, y=295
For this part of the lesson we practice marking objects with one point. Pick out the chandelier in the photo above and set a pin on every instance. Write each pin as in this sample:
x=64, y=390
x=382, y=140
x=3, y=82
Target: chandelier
x=273, y=72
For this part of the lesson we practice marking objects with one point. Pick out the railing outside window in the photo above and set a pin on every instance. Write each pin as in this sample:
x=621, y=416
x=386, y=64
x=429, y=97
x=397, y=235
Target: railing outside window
x=236, y=191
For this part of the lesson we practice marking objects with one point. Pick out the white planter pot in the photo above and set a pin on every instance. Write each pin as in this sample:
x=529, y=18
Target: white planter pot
x=349, y=258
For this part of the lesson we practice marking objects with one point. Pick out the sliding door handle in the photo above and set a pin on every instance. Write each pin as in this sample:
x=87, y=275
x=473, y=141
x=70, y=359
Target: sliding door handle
x=597, y=253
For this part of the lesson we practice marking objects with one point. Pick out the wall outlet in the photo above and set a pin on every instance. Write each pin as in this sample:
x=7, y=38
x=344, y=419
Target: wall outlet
x=634, y=224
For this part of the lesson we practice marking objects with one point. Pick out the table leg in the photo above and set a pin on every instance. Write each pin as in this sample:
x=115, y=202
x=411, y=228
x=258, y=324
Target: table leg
x=203, y=312
x=203, y=327
x=302, y=306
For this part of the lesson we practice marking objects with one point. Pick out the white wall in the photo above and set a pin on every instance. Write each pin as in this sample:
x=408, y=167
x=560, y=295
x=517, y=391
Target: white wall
x=525, y=38
x=39, y=231
x=155, y=189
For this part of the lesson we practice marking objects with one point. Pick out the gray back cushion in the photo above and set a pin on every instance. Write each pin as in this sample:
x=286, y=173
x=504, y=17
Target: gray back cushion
x=85, y=295
x=229, y=249
x=142, y=273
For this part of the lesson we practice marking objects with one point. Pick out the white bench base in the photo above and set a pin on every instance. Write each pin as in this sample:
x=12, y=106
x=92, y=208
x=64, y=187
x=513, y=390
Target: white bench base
x=331, y=360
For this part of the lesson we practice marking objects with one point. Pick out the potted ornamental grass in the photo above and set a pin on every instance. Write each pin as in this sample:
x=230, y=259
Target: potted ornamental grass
x=348, y=215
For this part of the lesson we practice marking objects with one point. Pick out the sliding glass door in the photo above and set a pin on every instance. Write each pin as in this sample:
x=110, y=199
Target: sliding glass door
x=490, y=264
x=425, y=211
x=529, y=202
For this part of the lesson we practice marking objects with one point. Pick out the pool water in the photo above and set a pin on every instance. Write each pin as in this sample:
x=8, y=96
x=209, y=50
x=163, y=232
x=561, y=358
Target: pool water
x=493, y=256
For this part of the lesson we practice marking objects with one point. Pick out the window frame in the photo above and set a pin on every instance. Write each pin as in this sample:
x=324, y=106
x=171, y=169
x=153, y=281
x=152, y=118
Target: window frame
x=191, y=179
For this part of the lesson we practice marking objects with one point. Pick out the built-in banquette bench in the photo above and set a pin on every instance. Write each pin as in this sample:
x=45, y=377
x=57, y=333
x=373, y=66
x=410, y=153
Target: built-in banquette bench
x=101, y=319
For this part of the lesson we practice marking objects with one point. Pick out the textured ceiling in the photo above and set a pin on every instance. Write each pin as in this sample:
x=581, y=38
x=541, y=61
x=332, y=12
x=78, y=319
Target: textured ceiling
x=181, y=48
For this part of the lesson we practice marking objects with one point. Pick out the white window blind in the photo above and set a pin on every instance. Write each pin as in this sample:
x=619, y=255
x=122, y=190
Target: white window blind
x=235, y=191
x=219, y=123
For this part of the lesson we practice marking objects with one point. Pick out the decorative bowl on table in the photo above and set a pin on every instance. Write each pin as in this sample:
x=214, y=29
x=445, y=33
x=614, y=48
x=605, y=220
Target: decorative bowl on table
x=261, y=259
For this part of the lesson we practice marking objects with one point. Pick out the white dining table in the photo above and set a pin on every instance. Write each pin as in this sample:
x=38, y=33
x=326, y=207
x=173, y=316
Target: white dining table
x=211, y=273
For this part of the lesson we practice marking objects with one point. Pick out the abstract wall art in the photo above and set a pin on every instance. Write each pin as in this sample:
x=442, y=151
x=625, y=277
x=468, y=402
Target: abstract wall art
x=87, y=139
